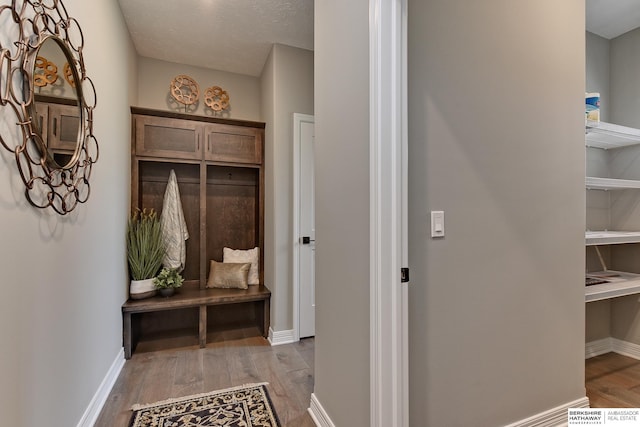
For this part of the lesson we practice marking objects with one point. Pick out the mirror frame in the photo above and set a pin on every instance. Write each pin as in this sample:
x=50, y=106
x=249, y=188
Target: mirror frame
x=79, y=102
x=47, y=183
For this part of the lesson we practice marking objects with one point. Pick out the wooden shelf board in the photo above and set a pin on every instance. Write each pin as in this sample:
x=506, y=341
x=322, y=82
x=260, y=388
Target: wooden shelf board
x=185, y=298
x=172, y=339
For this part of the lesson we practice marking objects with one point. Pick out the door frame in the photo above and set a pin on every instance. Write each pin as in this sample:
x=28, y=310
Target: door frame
x=298, y=119
x=388, y=159
x=389, y=392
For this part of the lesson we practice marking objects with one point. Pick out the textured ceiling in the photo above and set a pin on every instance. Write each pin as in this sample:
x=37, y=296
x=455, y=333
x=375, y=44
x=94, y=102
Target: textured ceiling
x=226, y=35
x=611, y=18
x=236, y=35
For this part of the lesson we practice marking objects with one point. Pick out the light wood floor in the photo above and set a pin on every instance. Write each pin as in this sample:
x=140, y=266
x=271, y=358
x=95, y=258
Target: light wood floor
x=233, y=358
x=613, y=381
x=241, y=356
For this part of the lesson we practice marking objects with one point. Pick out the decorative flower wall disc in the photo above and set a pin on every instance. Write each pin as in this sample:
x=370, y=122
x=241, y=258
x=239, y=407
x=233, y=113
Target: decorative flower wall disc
x=216, y=98
x=68, y=74
x=185, y=90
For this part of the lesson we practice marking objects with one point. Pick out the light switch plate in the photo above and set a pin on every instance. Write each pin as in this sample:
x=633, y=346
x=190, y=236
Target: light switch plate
x=437, y=223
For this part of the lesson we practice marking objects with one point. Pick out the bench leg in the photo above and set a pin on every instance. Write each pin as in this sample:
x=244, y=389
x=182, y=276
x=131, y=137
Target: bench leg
x=126, y=334
x=266, y=320
x=202, y=327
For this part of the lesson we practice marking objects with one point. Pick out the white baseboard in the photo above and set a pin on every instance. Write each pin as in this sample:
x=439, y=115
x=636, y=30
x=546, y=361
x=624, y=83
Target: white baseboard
x=607, y=345
x=92, y=412
x=318, y=414
x=626, y=348
x=598, y=347
x=556, y=417
x=281, y=337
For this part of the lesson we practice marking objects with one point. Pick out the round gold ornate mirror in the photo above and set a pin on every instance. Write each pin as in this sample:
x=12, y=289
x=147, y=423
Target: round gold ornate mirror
x=57, y=111
x=44, y=85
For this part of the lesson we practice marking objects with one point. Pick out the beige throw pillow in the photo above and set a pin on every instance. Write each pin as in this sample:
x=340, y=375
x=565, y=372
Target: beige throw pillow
x=242, y=256
x=228, y=275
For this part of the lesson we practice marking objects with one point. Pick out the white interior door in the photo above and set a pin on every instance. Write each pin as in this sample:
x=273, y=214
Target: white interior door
x=306, y=233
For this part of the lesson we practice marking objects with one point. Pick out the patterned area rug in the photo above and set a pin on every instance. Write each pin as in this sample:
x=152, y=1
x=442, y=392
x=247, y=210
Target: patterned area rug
x=245, y=406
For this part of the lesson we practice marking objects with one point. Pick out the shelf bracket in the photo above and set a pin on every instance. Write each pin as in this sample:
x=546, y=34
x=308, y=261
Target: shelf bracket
x=602, y=263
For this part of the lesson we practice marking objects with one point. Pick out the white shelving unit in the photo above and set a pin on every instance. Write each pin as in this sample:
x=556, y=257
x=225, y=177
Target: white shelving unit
x=597, y=238
x=608, y=136
x=619, y=284
x=594, y=183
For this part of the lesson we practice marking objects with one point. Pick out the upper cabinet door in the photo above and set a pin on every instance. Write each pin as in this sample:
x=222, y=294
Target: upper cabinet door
x=42, y=119
x=225, y=143
x=173, y=138
x=64, y=124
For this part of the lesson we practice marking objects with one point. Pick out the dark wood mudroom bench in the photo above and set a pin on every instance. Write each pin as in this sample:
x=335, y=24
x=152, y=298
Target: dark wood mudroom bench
x=219, y=168
x=202, y=298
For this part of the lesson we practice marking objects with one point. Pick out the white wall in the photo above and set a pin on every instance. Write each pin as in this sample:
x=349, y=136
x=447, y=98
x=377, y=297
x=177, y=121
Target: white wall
x=155, y=76
x=342, y=210
x=64, y=278
x=496, y=140
x=287, y=88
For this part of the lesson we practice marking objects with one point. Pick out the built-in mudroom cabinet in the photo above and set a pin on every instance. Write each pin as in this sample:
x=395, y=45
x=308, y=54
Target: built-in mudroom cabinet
x=612, y=183
x=219, y=166
x=58, y=120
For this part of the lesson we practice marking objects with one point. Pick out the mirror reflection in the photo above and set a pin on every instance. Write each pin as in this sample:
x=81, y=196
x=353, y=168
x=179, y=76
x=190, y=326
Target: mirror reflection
x=58, y=112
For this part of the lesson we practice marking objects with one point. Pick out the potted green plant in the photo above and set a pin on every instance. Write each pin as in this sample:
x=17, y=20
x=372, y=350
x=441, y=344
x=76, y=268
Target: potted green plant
x=145, y=252
x=168, y=281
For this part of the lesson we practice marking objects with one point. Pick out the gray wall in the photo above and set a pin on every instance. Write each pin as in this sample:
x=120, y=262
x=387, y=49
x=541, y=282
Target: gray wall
x=154, y=80
x=496, y=140
x=615, y=64
x=598, y=320
x=598, y=70
x=268, y=87
x=598, y=214
x=342, y=210
x=64, y=278
x=625, y=91
x=287, y=88
x=625, y=163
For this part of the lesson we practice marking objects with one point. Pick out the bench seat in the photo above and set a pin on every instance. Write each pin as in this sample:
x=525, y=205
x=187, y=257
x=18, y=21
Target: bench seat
x=202, y=298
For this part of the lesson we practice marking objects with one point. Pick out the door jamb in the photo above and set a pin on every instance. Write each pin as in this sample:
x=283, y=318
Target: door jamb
x=298, y=119
x=388, y=213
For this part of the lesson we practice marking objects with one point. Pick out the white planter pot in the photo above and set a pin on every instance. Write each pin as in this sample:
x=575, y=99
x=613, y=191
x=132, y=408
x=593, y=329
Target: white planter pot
x=140, y=289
